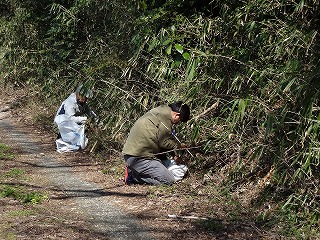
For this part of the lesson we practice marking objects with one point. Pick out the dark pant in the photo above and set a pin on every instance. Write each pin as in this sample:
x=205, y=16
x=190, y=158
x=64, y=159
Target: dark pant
x=147, y=170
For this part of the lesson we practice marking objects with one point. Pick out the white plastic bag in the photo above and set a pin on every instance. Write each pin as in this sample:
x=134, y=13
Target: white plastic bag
x=72, y=137
x=65, y=147
x=177, y=170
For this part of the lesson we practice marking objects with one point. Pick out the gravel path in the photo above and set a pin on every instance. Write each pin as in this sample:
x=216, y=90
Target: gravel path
x=87, y=198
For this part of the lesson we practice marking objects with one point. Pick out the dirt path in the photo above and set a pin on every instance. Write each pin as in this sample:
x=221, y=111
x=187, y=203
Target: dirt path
x=83, y=203
x=86, y=203
x=88, y=198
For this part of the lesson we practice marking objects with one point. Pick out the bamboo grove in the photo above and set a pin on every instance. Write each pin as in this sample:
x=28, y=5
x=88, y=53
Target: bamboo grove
x=248, y=69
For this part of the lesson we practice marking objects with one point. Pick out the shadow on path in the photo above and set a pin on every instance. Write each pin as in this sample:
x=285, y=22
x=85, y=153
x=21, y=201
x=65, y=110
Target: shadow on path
x=87, y=197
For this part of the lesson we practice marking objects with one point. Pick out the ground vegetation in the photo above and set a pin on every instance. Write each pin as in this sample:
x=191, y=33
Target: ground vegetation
x=248, y=69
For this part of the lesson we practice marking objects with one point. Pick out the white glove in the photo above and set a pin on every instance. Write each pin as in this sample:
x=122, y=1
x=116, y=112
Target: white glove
x=81, y=120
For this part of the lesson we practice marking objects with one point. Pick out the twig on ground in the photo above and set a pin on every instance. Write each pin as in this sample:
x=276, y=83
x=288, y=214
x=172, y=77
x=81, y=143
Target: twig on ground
x=94, y=146
x=174, y=216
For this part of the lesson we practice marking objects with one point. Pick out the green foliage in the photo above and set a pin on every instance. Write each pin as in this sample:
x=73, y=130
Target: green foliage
x=5, y=152
x=16, y=191
x=248, y=69
x=21, y=213
x=308, y=223
x=14, y=173
x=19, y=193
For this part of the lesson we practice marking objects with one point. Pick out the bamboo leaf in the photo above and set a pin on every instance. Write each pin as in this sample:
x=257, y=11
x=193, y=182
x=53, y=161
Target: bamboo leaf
x=252, y=25
x=154, y=42
x=288, y=86
x=192, y=71
x=241, y=108
x=167, y=42
x=186, y=55
x=179, y=48
x=168, y=49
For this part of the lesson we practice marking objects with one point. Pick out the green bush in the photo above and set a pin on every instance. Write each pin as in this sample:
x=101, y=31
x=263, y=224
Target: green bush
x=248, y=69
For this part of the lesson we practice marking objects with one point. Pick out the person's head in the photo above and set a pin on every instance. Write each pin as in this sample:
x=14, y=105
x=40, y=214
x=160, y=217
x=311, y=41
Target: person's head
x=180, y=112
x=82, y=94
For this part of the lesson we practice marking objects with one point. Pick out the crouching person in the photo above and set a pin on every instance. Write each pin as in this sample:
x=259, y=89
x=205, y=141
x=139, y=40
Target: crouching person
x=151, y=135
x=71, y=118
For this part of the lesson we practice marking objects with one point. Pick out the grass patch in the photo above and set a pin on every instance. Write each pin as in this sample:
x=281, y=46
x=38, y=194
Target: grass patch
x=303, y=224
x=157, y=191
x=21, y=213
x=22, y=194
x=14, y=173
x=13, y=190
x=5, y=152
x=10, y=236
x=115, y=167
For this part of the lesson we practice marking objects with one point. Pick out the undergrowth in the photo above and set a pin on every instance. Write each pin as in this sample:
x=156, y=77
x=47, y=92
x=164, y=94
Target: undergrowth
x=248, y=69
x=9, y=177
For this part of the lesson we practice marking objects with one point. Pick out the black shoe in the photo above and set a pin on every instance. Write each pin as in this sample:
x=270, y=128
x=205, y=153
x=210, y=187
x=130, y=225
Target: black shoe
x=128, y=179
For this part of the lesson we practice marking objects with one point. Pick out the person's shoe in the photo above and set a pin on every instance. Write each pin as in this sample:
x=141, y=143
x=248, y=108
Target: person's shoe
x=128, y=179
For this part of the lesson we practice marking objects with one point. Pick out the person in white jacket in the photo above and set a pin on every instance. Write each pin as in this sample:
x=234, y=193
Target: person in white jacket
x=71, y=118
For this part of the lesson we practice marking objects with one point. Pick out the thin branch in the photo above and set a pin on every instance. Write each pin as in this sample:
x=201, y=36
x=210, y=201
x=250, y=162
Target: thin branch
x=213, y=106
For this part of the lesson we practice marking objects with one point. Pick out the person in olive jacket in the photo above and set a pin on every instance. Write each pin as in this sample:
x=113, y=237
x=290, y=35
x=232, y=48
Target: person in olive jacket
x=150, y=135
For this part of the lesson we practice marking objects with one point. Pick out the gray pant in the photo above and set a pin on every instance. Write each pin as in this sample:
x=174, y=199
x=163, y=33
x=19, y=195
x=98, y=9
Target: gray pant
x=150, y=171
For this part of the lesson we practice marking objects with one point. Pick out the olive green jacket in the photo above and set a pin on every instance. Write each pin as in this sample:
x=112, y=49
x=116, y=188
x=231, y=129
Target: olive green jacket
x=151, y=134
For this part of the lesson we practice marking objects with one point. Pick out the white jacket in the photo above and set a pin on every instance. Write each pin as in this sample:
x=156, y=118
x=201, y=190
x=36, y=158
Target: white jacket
x=70, y=110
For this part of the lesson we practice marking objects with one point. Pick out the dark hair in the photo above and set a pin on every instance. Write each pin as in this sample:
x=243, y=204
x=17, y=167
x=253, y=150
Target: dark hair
x=181, y=108
x=84, y=91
